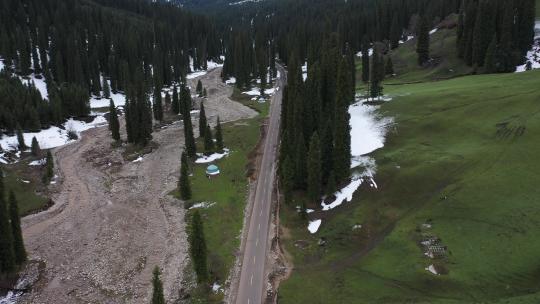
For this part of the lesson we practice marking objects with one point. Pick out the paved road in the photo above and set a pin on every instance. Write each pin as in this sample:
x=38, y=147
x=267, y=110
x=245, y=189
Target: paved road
x=252, y=277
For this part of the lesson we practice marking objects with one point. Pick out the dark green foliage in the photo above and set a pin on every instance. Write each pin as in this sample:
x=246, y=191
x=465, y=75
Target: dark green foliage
x=157, y=287
x=158, y=105
x=138, y=113
x=114, y=124
x=184, y=184
x=7, y=255
x=376, y=72
x=389, y=67
x=199, y=88
x=209, y=146
x=204, y=93
x=18, y=244
x=202, y=121
x=422, y=44
x=185, y=103
x=512, y=22
x=342, y=137
x=197, y=247
x=314, y=179
x=20, y=140
x=36, y=150
x=49, y=167
x=175, y=108
x=106, y=88
x=219, y=136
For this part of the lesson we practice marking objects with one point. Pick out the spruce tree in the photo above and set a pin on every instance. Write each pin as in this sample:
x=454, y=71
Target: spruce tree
x=202, y=121
x=175, y=108
x=191, y=147
x=158, y=105
x=422, y=46
x=49, y=168
x=342, y=136
x=20, y=140
x=18, y=243
x=208, y=141
x=197, y=248
x=204, y=93
x=114, y=123
x=365, y=60
x=35, y=147
x=157, y=293
x=389, y=67
x=219, y=136
x=106, y=88
x=7, y=255
x=376, y=73
x=490, y=62
x=184, y=184
x=199, y=89
x=314, y=168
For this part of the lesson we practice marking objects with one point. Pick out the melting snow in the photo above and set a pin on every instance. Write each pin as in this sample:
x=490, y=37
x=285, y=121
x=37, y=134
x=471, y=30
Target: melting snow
x=203, y=159
x=314, y=226
x=138, y=160
x=231, y=80
x=202, y=205
x=54, y=136
x=344, y=194
x=432, y=269
x=257, y=92
x=533, y=56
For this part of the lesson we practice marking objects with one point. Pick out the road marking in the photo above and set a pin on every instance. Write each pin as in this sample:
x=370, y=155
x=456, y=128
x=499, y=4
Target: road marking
x=259, y=226
x=256, y=243
x=248, y=301
x=253, y=260
x=251, y=283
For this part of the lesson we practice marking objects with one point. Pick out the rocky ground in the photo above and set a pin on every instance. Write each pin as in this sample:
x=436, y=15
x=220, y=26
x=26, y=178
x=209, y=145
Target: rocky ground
x=113, y=220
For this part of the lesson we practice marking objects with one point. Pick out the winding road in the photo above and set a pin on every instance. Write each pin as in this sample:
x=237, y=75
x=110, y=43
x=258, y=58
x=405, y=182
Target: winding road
x=252, y=276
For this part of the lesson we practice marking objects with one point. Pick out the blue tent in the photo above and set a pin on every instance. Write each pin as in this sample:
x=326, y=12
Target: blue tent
x=212, y=170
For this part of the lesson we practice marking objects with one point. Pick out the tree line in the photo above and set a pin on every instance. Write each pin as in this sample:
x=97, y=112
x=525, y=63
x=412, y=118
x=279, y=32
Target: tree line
x=83, y=48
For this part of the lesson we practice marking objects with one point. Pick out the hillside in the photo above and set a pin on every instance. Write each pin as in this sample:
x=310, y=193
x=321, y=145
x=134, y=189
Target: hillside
x=458, y=166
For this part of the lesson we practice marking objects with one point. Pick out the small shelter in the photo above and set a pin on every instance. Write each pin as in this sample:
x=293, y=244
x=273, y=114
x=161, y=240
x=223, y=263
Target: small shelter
x=212, y=170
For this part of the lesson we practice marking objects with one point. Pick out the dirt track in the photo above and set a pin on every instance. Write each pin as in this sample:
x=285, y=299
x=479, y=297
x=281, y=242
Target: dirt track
x=113, y=220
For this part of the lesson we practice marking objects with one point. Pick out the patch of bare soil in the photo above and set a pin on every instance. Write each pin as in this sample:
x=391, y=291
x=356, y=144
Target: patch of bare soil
x=114, y=220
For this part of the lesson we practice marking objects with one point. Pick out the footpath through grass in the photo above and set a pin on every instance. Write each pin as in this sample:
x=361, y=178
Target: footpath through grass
x=461, y=164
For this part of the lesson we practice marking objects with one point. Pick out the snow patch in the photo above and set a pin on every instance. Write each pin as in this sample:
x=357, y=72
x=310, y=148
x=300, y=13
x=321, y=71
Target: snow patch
x=344, y=194
x=431, y=268
x=203, y=159
x=54, y=136
x=314, y=226
x=202, y=205
x=231, y=80
x=533, y=56
x=39, y=162
x=138, y=160
x=257, y=92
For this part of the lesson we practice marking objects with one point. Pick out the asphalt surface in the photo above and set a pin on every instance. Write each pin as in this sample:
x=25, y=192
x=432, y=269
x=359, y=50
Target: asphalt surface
x=252, y=277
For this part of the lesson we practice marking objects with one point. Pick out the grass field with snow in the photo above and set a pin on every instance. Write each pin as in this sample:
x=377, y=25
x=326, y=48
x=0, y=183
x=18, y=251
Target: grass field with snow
x=461, y=164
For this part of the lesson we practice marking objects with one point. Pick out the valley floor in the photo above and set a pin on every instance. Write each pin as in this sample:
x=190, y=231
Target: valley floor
x=114, y=219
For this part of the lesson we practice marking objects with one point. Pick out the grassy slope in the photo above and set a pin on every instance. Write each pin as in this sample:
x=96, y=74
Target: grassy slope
x=445, y=144
x=28, y=194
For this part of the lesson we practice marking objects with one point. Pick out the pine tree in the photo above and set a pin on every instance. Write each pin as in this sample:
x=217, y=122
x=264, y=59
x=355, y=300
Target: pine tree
x=106, y=88
x=389, y=67
x=208, y=141
x=395, y=32
x=184, y=184
x=204, y=93
x=158, y=105
x=490, y=62
x=157, y=293
x=342, y=137
x=114, y=124
x=422, y=46
x=219, y=136
x=376, y=73
x=175, y=108
x=314, y=168
x=191, y=147
x=197, y=247
x=7, y=255
x=365, y=60
x=35, y=147
x=202, y=121
x=20, y=140
x=199, y=89
x=18, y=244
x=49, y=168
